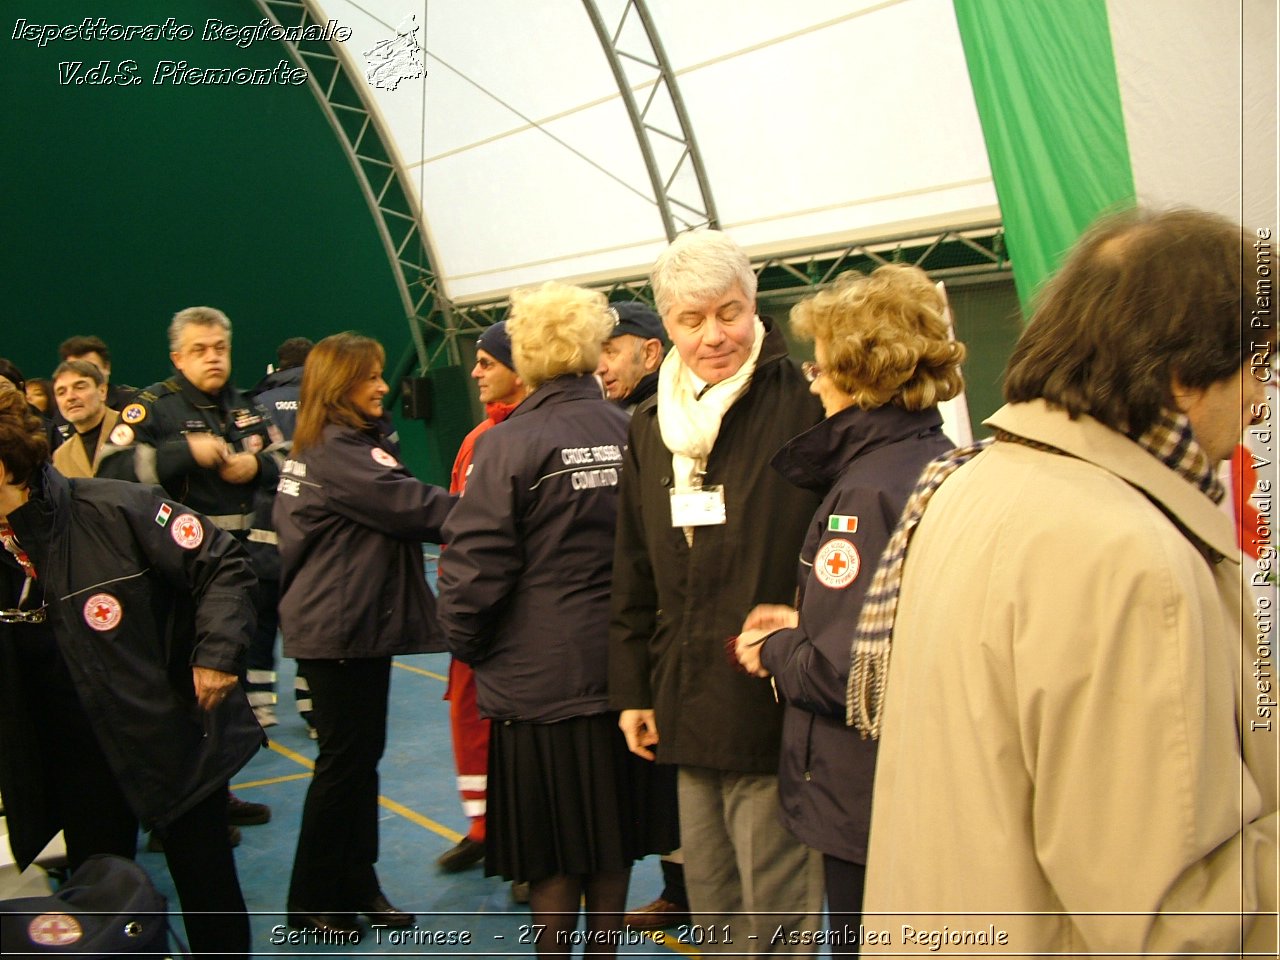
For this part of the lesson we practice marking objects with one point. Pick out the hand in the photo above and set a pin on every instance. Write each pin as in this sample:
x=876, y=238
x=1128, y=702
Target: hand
x=641, y=731
x=771, y=616
x=208, y=450
x=212, y=686
x=750, y=643
x=239, y=468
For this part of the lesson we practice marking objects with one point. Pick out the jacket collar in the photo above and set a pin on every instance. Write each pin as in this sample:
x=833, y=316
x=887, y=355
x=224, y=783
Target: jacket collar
x=277, y=379
x=815, y=459
x=36, y=520
x=1089, y=440
x=560, y=389
x=197, y=396
x=497, y=412
x=645, y=389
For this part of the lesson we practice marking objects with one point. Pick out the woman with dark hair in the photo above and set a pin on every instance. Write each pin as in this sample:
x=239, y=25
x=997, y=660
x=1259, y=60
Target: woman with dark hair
x=124, y=620
x=351, y=520
x=524, y=599
x=885, y=359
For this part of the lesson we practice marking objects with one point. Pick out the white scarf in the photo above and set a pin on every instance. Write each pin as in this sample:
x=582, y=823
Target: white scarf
x=690, y=425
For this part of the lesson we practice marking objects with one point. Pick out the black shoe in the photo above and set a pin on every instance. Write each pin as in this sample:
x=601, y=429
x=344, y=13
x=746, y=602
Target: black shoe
x=344, y=923
x=382, y=914
x=156, y=845
x=466, y=854
x=244, y=813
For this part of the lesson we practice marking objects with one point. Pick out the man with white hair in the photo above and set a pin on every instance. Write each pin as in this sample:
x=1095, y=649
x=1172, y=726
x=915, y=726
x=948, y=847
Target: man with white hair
x=707, y=530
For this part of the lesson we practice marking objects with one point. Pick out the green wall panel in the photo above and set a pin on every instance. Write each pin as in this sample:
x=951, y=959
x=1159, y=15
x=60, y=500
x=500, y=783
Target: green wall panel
x=124, y=203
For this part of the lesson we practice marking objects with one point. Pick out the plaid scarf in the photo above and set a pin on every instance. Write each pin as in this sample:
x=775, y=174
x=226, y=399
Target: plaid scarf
x=1169, y=440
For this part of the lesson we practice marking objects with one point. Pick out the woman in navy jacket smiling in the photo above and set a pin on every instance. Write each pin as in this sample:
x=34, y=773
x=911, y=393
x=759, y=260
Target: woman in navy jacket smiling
x=351, y=520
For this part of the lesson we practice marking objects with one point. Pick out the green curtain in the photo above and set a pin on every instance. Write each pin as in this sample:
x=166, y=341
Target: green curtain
x=1044, y=80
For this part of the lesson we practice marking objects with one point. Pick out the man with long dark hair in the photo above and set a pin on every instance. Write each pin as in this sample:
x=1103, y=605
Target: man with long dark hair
x=1066, y=765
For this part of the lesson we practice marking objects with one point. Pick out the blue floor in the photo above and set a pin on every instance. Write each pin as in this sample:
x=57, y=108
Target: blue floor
x=421, y=818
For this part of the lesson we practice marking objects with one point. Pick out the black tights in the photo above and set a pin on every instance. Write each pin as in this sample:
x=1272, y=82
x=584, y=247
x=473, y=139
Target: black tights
x=555, y=903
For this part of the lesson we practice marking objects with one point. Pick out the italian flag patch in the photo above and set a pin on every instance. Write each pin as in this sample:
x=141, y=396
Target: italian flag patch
x=842, y=524
x=162, y=515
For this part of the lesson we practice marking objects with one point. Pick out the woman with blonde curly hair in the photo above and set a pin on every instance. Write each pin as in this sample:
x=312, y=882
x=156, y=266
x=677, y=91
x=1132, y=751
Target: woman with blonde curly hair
x=884, y=360
x=524, y=599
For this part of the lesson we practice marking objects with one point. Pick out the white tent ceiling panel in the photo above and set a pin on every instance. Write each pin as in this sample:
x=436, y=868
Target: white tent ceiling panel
x=527, y=203
x=528, y=166
x=699, y=32
x=847, y=135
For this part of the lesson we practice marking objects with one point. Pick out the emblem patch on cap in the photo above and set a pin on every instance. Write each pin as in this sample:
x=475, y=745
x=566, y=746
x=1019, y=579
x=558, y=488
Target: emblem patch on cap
x=381, y=456
x=837, y=563
x=187, y=531
x=54, y=930
x=133, y=413
x=102, y=612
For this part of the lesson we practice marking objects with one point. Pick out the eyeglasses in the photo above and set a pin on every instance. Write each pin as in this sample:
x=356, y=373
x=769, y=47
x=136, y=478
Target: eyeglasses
x=811, y=370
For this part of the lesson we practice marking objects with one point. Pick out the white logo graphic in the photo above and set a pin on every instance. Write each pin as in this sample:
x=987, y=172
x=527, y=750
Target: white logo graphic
x=396, y=58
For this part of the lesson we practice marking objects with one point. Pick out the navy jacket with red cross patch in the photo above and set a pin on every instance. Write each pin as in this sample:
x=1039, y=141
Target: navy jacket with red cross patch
x=149, y=444
x=867, y=463
x=351, y=521
x=138, y=590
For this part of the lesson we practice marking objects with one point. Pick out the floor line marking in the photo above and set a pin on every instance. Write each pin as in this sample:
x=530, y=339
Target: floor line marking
x=425, y=673
x=409, y=814
x=248, y=784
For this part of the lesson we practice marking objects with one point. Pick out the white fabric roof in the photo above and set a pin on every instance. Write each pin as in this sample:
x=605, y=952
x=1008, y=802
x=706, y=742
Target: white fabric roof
x=821, y=121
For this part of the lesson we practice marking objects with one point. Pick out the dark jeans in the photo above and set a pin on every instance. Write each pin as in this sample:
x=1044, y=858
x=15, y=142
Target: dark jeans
x=96, y=818
x=333, y=869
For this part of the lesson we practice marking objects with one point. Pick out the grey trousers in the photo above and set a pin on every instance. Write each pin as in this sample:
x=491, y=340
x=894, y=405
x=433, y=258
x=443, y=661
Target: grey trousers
x=747, y=876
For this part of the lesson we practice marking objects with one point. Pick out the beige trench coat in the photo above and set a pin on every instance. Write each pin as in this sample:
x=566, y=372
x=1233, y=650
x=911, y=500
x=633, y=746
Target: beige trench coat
x=1064, y=768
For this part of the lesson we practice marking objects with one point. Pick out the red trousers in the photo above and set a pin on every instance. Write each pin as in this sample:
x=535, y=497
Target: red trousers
x=470, y=745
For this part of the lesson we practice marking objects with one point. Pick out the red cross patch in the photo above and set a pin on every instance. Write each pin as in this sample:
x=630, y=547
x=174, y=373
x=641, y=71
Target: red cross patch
x=102, y=612
x=381, y=456
x=54, y=930
x=187, y=531
x=837, y=563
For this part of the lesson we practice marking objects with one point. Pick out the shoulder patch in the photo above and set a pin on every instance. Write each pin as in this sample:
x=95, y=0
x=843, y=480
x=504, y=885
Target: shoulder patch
x=163, y=514
x=133, y=413
x=381, y=456
x=122, y=435
x=842, y=524
x=187, y=531
x=837, y=563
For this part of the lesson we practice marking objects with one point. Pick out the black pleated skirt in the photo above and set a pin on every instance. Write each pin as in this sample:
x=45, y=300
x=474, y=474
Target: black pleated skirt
x=570, y=798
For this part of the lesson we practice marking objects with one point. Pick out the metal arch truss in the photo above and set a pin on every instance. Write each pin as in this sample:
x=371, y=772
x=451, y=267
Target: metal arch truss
x=661, y=123
x=345, y=100
x=966, y=253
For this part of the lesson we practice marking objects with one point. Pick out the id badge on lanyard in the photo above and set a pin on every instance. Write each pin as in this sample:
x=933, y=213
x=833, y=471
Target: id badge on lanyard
x=698, y=508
